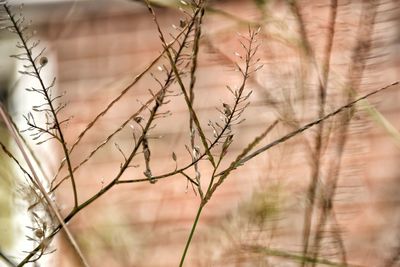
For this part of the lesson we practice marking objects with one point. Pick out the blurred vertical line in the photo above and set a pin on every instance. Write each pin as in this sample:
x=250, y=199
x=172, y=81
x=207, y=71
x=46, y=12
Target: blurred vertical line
x=6, y=185
x=7, y=260
x=7, y=226
x=357, y=66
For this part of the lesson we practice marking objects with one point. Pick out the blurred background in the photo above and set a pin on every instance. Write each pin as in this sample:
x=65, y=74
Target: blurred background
x=257, y=217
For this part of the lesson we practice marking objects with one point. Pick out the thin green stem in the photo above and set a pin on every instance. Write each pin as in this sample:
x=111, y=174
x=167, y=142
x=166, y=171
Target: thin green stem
x=196, y=220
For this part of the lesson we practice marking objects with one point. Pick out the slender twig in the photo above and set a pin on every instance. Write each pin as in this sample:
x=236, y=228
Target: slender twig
x=322, y=85
x=247, y=158
x=272, y=144
x=255, y=82
x=193, y=229
x=294, y=257
x=337, y=235
x=175, y=74
x=32, y=153
x=110, y=105
x=193, y=114
x=192, y=96
x=51, y=204
x=125, y=90
x=357, y=66
x=232, y=116
x=237, y=162
x=242, y=158
x=105, y=141
x=212, y=187
x=11, y=156
x=7, y=260
x=48, y=98
x=146, y=128
x=309, y=125
x=125, y=165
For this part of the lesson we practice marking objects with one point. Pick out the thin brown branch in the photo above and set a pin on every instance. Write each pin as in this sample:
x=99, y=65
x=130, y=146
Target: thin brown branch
x=125, y=165
x=17, y=27
x=237, y=162
x=361, y=50
x=7, y=259
x=193, y=69
x=51, y=204
x=115, y=100
x=106, y=140
x=252, y=155
x=192, y=112
x=230, y=117
x=309, y=125
x=323, y=82
x=12, y=157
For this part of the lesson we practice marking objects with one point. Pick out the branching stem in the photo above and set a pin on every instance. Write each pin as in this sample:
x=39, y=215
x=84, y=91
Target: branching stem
x=49, y=100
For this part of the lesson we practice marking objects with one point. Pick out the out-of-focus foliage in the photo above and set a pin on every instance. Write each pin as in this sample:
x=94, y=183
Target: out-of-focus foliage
x=6, y=185
x=383, y=122
x=261, y=3
x=262, y=206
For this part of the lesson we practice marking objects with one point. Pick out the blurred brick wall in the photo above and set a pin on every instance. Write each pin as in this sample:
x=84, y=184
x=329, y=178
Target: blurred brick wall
x=99, y=53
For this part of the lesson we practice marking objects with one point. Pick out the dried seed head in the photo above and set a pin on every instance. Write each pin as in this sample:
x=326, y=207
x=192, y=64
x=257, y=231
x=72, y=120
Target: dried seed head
x=146, y=153
x=39, y=233
x=182, y=23
x=43, y=61
x=227, y=109
x=138, y=119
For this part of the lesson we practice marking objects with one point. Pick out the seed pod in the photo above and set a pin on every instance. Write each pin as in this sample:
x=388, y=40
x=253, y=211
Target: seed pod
x=227, y=109
x=43, y=61
x=39, y=233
